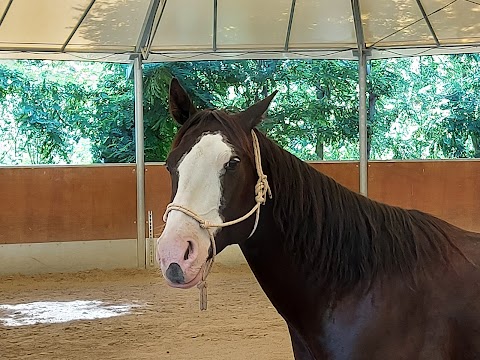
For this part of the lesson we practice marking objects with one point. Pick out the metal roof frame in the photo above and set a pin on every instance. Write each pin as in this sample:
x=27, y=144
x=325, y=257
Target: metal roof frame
x=83, y=30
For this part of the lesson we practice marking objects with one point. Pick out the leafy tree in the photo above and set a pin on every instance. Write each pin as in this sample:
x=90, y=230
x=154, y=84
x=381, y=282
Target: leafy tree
x=407, y=122
x=461, y=104
x=418, y=107
x=112, y=128
x=10, y=84
x=46, y=114
x=312, y=107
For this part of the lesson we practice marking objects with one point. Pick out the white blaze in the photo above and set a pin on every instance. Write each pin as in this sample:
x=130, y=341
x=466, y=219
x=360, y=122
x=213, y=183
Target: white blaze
x=199, y=174
x=199, y=190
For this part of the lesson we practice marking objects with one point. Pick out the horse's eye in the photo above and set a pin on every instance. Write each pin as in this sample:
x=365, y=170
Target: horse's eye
x=232, y=164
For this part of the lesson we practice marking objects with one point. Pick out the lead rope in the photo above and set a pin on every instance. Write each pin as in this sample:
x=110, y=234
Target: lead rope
x=261, y=190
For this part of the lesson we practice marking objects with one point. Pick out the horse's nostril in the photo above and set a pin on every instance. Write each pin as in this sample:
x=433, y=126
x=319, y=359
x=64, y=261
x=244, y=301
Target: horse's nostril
x=189, y=250
x=174, y=273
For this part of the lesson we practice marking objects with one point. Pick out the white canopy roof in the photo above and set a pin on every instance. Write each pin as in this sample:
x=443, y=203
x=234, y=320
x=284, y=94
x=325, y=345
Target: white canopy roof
x=165, y=30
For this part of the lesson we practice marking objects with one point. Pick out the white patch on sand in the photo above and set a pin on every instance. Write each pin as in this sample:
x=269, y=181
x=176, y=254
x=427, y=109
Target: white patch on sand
x=50, y=312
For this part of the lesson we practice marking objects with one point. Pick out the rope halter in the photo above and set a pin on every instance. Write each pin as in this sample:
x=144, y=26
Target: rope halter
x=261, y=190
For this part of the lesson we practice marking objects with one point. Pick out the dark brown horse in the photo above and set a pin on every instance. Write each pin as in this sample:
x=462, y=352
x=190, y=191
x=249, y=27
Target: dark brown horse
x=353, y=278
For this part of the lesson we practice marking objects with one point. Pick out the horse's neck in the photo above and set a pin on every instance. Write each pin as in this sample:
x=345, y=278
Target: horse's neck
x=281, y=266
x=343, y=239
x=282, y=281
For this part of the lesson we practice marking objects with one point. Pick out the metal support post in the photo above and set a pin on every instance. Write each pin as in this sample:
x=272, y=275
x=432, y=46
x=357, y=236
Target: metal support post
x=362, y=109
x=140, y=160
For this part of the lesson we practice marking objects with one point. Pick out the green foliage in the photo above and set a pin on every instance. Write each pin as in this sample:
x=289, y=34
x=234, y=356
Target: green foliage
x=427, y=111
x=424, y=107
x=43, y=116
x=316, y=108
x=297, y=117
x=461, y=122
x=112, y=128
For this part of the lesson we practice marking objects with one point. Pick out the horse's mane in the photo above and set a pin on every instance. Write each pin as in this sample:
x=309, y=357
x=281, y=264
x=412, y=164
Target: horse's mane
x=344, y=239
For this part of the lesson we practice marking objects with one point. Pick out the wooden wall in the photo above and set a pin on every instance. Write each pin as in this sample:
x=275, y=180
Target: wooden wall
x=68, y=203
x=47, y=204
x=447, y=189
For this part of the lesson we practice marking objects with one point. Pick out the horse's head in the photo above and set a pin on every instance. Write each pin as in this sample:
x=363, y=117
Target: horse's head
x=213, y=173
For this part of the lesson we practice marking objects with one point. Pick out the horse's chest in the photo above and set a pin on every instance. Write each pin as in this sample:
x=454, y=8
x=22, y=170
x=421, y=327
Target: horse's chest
x=344, y=329
x=380, y=328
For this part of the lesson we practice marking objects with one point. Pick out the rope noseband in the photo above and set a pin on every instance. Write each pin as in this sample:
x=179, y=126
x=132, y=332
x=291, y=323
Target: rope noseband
x=261, y=190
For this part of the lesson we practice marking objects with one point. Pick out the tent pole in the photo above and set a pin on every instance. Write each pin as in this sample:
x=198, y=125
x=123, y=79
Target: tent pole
x=140, y=161
x=361, y=52
x=362, y=109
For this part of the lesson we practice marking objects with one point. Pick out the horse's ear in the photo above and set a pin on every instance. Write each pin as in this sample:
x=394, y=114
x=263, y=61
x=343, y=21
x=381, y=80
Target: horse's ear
x=255, y=113
x=179, y=104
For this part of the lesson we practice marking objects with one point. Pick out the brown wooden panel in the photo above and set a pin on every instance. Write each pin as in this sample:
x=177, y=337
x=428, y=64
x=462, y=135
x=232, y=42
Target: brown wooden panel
x=99, y=202
x=346, y=173
x=46, y=204
x=157, y=194
x=447, y=189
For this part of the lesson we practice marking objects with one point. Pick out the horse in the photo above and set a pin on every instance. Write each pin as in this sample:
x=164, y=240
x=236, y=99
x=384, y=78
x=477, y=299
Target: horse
x=352, y=278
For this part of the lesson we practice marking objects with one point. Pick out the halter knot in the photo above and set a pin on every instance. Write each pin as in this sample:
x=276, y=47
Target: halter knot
x=261, y=189
x=202, y=286
x=205, y=224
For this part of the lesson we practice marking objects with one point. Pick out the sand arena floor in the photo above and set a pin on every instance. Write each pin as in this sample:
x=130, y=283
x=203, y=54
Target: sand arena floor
x=160, y=323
